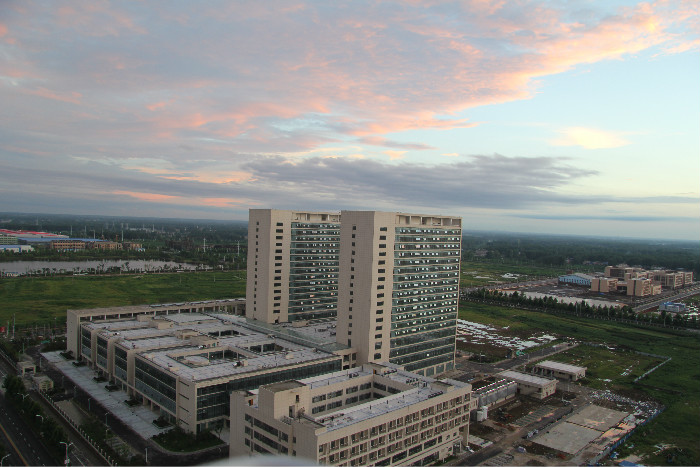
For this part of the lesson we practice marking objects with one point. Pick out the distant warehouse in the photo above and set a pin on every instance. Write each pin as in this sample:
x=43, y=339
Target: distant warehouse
x=576, y=279
x=560, y=370
x=531, y=385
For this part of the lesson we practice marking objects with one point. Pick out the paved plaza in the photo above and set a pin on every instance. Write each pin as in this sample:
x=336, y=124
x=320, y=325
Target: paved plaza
x=139, y=418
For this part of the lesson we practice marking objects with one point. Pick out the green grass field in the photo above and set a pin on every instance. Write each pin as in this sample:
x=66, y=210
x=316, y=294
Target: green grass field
x=608, y=369
x=675, y=384
x=488, y=272
x=40, y=300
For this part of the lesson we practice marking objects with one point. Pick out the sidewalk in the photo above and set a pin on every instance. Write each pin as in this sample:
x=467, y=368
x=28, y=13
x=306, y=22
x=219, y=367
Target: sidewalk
x=139, y=418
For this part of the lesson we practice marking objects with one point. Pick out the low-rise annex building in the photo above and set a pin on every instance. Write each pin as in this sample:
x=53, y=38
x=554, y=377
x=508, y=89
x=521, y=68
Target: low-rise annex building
x=559, y=370
x=185, y=365
x=531, y=385
x=376, y=414
x=74, y=318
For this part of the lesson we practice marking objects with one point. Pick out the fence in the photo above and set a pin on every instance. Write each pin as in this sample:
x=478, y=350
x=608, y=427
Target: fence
x=78, y=429
x=604, y=453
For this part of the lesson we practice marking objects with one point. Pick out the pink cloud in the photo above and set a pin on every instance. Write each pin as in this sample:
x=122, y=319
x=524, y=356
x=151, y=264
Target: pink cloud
x=151, y=197
x=250, y=79
x=222, y=202
x=97, y=18
x=72, y=97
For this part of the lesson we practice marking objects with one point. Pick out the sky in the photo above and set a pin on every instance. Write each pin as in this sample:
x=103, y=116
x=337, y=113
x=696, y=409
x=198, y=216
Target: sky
x=557, y=117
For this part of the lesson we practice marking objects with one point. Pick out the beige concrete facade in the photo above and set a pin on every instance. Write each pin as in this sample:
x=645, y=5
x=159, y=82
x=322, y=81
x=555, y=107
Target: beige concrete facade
x=664, y=278
x=530, y=385
x=398, y=288
x=184, y=365
x=74, y=318
x=67, y=245
x=604, y=284
x=642, y=287
x=374, y=415
x=672, y=279
x=292, y=265
x=560, y=371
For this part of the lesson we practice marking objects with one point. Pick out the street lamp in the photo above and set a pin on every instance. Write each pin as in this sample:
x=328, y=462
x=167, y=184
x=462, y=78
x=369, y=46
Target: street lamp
x=41, y=417
x=67, y=461
x=3, y=459
x=146, y=455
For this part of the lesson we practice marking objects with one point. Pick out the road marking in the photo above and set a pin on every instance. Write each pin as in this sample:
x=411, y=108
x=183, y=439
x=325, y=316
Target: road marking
x=14, y=446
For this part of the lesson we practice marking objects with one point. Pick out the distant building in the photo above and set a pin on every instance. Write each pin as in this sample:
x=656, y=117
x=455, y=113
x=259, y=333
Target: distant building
x=621, y=270
x=105, y=245
x=16, y=248
x=8, y=239
x=673, y=279
x=672, y=307
x=642, y=287
x=604, y=284
x=639, y=282
x=531, y=385
x=42, y=382
x=559, y=370
x=30, y=234
x=493, y=391
x=373, y=415
x=576, y=279
x=67, y=245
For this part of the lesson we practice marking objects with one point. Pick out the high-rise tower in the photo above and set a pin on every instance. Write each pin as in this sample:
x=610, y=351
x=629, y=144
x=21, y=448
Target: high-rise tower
x=398, y=288
x=292, y=265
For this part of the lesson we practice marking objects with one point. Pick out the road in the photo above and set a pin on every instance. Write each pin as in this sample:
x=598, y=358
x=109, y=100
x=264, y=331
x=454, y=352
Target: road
x=679, y=295
x=470, y=367
x=156, y=455
x=29, y=443
x=23, y=445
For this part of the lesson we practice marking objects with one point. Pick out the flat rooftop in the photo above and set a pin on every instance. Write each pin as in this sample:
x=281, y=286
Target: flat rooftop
x=318, y=335
x=416, y=389
x=526, y=378
x=179, y=356
x=558, y=366
x=591, y=424
x=156, y=307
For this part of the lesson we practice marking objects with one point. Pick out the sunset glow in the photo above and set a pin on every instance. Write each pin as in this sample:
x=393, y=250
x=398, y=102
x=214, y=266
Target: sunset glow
x=555, y=117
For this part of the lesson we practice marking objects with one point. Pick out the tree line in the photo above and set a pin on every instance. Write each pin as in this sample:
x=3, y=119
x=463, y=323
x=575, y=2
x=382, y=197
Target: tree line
x=569, y=250
x=551, y=304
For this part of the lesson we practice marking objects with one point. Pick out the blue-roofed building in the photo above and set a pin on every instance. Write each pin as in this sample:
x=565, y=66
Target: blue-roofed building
x=576, y=279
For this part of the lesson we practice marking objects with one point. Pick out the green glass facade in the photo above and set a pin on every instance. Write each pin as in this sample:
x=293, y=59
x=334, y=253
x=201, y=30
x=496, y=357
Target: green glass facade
x=313, y=272
x=425, y=298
